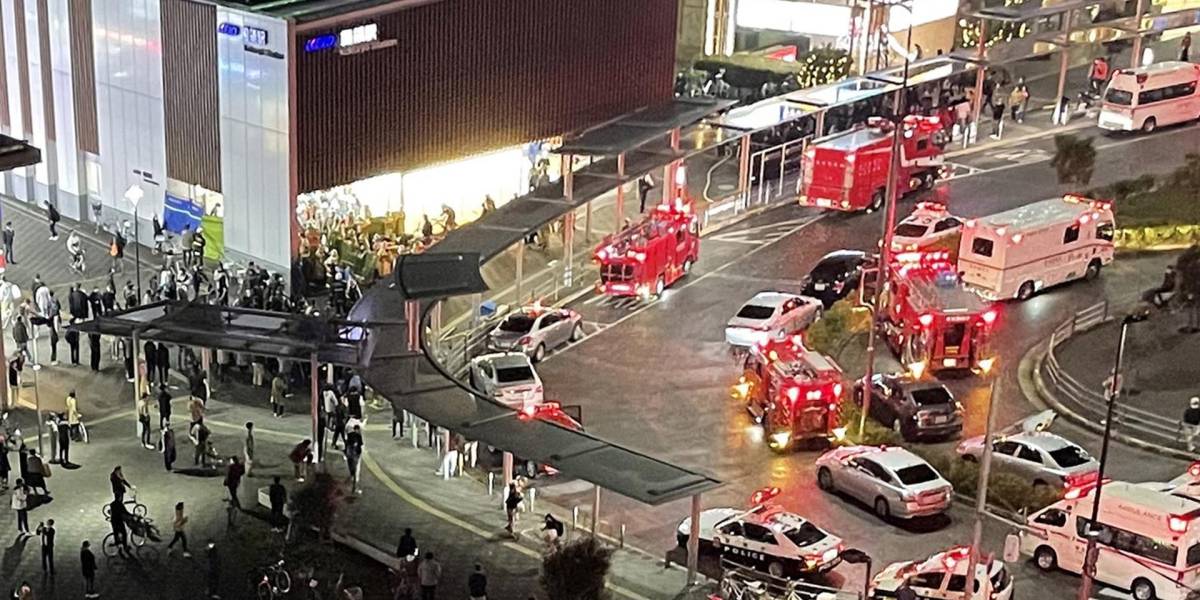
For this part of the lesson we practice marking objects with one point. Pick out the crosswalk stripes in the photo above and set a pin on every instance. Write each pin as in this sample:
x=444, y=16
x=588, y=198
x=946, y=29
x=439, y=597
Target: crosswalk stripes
x=762, y=234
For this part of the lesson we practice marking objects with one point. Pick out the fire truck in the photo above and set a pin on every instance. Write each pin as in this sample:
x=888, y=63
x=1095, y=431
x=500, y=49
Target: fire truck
x=643, y=259
x=848, y=171
x=793, y=392
x=929, y=319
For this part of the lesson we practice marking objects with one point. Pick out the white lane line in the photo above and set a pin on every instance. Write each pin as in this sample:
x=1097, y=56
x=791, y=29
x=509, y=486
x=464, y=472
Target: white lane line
x=694, y=280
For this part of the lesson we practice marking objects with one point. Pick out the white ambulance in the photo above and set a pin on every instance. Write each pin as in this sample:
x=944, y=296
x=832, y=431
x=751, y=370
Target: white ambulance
x=1150, y=97
x=1019, y=252
x=1148, y=540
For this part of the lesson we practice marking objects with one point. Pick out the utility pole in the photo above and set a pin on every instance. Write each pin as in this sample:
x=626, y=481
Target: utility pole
x=900, y=110
x=985, y=470
x=1135, y=61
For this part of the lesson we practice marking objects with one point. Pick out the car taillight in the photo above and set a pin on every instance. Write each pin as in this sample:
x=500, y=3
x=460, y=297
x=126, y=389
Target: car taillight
x=989, y=316
x=524, y=341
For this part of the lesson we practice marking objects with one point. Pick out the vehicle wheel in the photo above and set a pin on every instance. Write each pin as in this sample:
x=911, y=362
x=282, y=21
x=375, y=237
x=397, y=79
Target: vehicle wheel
x=1142, y=589
x=1025, y=292
x=107, y=510
x=1045, y=559
x=876, y=201
x=1149, y=125
x=882, y=510
x=264, y=590
x=1093, y=271
x=825, y=479
x=775, y=569
x=283, y=582
x=687, y=266
x=969, y=458
x=577, y=333
x=928, y=179
x=539, y=353
x=139, y=510
x=659, y=287
x=109, y=545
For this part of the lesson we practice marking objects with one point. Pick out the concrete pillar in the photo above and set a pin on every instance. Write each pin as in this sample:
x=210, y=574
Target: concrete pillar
x=693, y=543
x=595, y=509
x=620, y=207
x=520, y=270
x=137, y=378
x=1064, y=57
x=206, y=363
x=1135, y=60
x=980, y=73
x=568, y=224
x=315, y=381
x=412, y=315
x=506, y=462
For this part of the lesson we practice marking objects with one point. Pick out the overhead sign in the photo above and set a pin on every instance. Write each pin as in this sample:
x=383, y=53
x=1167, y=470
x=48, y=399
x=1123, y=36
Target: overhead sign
x=352, y=40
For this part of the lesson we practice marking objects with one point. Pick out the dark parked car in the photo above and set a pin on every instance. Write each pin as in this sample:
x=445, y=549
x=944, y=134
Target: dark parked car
x=914, y=409
x=836, y=275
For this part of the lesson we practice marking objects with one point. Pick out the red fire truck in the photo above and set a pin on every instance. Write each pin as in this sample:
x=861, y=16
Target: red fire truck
x=793, y=392
x=847, y=171
x=930, y=320
x=643, y=259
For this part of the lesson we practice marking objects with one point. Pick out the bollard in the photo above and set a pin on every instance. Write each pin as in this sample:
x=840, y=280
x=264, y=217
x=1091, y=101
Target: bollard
x=532, y=499
x=414, y=434
x=574, y=518
x=491, y=484
x=621, y=539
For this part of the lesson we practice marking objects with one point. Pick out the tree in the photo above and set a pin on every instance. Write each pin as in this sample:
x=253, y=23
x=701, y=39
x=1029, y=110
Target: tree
x=318, y=504
x=577, y=571
x=1074, y=159
x=1187, y=286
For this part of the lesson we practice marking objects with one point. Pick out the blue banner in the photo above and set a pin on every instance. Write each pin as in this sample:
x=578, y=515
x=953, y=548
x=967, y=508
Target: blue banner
x=179, y=213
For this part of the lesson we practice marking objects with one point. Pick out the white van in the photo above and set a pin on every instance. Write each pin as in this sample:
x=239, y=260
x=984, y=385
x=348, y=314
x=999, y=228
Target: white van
x=1019, y=252
x=1148, y=541
x=1150, y=97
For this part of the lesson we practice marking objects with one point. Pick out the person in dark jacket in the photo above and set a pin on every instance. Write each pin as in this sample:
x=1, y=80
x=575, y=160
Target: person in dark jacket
x=64, y=443
x=151, y=351
x=407, y=546
x=20, y=334
x=87, y=563
x=9, y=236
x=77, y=302
x=168, y=448
x=95, y=303
x=73, y=342
x=130, y=295
x=164, y=406
x=53, y=216
x=163, y=362
x=278, y=496
x=108, y=299
x=94, y=350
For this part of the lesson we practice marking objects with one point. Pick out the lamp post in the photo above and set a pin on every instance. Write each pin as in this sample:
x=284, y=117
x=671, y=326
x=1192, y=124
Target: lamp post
x=37, y=402
x=1114, y=389
x=856, y=557
x=985, y=468
x=134, y=196
x=900, y=109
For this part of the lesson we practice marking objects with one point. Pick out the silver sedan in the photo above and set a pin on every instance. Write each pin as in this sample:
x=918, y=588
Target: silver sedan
x=892, y=481
x=536, y=330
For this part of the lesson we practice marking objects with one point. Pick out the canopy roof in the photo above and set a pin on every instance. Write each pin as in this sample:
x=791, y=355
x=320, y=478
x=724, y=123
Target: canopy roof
x=15, y=154
x=641, y=127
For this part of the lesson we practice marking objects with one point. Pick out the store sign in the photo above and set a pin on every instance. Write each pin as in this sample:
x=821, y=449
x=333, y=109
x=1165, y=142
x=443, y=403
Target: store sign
x=353, y=40
x=256, y=36
x=255, y=39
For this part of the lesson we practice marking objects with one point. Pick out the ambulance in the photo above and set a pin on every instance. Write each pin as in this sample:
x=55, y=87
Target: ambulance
x=1150, y=97
x=1019, y=252
x=1148, y=540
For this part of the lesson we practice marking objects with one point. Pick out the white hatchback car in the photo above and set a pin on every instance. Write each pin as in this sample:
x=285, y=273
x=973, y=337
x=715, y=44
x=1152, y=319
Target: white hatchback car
x=943, y=576
x=893, y=481
x=508, y=377
x=771, y=315
x=929, y=224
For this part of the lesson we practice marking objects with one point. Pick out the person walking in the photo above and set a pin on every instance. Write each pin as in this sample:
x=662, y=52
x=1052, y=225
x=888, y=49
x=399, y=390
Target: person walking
x=46, y=532
x=168, y=447
x=277, y=494
x=1191, y=423
x=53, y=217
x=179, y=525
x=233, y=480
x=143, y=412
x=1017, y=100
x=645, y=184
x=164, y=407
x=20, y=503
x=512, y=503
x=248, y=448
x=73, y=343
x=998, y=105
x=87, y=565
x=5, y=466
x=1185, y=47
x=407, y=548
x=39, y=471
x=278, y=390
x=354, y=450
x=202, y=451
x=477, y=584
x=10, y=235
x=429, y=573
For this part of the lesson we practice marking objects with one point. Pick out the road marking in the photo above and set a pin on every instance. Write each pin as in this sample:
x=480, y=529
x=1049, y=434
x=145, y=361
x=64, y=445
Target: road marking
x=761, y=234
x=694, y=280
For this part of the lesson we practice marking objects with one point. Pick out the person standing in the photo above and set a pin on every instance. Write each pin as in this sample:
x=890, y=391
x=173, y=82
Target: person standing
x=64, y=442
x=73, y=343
x=20, y=503
x=53, y=323
x=117, y=520
x=163, y=361
x=214, y=570
x=301, y=455
x=248, y=448
x=1017, y=100
x=512, y=503
x=278, y=497
x=180, y=526
x=94, y=350
x=151, y=351
x=278, y=390
x=407, y=548
x=1185, y=47
x=998, y=105
x=233, y=480
x=1191, y=423
x=168, y=445
x=5, y=467
x=164, y=407
x=118, y=483
x=9, y=236
x=87, y=564
x=20, y=335
x=200, y=457
x=16, y=364
x=53, y=217
x=354, y=450
x=645, y=184
x=46, y=532
x=143, y=411
x=477, y=584
x=429, y=573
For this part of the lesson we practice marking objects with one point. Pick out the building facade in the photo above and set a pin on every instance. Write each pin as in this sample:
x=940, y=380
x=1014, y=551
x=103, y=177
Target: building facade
x=246, y=117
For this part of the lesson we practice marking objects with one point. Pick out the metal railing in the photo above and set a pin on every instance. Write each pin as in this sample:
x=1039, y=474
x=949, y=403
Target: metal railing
x=740, y=583
x=764, y=190
x=1092, y=401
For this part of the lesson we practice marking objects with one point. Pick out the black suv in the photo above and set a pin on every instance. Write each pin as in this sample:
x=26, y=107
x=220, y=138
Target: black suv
x=914, y=409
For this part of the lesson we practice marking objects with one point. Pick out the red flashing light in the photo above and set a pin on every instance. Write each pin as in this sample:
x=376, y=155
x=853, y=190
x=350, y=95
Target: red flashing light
x=989, y=316
x=837, y=390
x=1178, y=524
x=926, y=320
x=602, y=254
x=793, y=394
x=1141, y=78
x=1194, y=469
x=764, y=495
x=1016, y=238
x=640, y=256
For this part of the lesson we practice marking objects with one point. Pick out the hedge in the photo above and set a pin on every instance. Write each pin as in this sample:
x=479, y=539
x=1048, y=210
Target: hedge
x=843, y=322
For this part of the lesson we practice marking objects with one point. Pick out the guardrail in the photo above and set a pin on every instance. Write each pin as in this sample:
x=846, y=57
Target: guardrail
x=740, y=583
x=1092, y=403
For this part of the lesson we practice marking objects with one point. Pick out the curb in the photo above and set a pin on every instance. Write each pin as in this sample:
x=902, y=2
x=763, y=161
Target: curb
x=1043, y=396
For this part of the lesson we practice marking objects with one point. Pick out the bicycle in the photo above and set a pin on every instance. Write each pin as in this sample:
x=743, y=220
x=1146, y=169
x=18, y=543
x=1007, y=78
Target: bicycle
x=133, y=507
x=272, y=581
x=138, y=531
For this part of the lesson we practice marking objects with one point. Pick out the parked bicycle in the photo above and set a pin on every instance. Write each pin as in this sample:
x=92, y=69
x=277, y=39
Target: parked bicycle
x=272, y=581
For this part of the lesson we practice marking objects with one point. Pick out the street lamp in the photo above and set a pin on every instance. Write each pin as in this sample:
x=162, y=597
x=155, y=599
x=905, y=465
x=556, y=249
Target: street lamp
x=37, y=402
x=986, y=366
x=134, y=196
x=857, y=557
x=1114, y=389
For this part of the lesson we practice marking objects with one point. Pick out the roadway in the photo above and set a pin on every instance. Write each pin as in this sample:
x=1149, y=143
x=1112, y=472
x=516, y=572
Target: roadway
x=655, y=376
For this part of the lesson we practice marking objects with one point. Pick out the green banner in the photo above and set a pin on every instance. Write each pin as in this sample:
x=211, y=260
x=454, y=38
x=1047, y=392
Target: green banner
x=214, y=237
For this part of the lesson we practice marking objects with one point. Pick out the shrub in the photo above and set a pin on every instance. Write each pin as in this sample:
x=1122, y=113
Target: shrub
x=873, y=434
x=1005, y=491
x=1074, y=159
x=318, y=503
x=577, y=571
x=837, y=326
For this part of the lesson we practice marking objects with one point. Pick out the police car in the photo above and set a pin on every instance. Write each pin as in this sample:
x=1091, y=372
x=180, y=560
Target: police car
x=944, y=576
x=766, y=538
x=929, y=224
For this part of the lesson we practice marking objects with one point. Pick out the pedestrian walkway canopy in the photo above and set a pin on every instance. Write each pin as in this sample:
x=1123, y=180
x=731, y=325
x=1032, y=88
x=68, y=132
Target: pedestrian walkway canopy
x=641, y=127
x=421, y=387
x=926, y=70
x=1029, y=9
x=266, y=333
x=15, y=154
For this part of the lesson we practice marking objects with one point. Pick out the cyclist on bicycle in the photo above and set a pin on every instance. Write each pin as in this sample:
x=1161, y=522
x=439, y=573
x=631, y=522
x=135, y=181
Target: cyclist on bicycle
x=119, y=485
x=75, y=249
x=118, y=517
